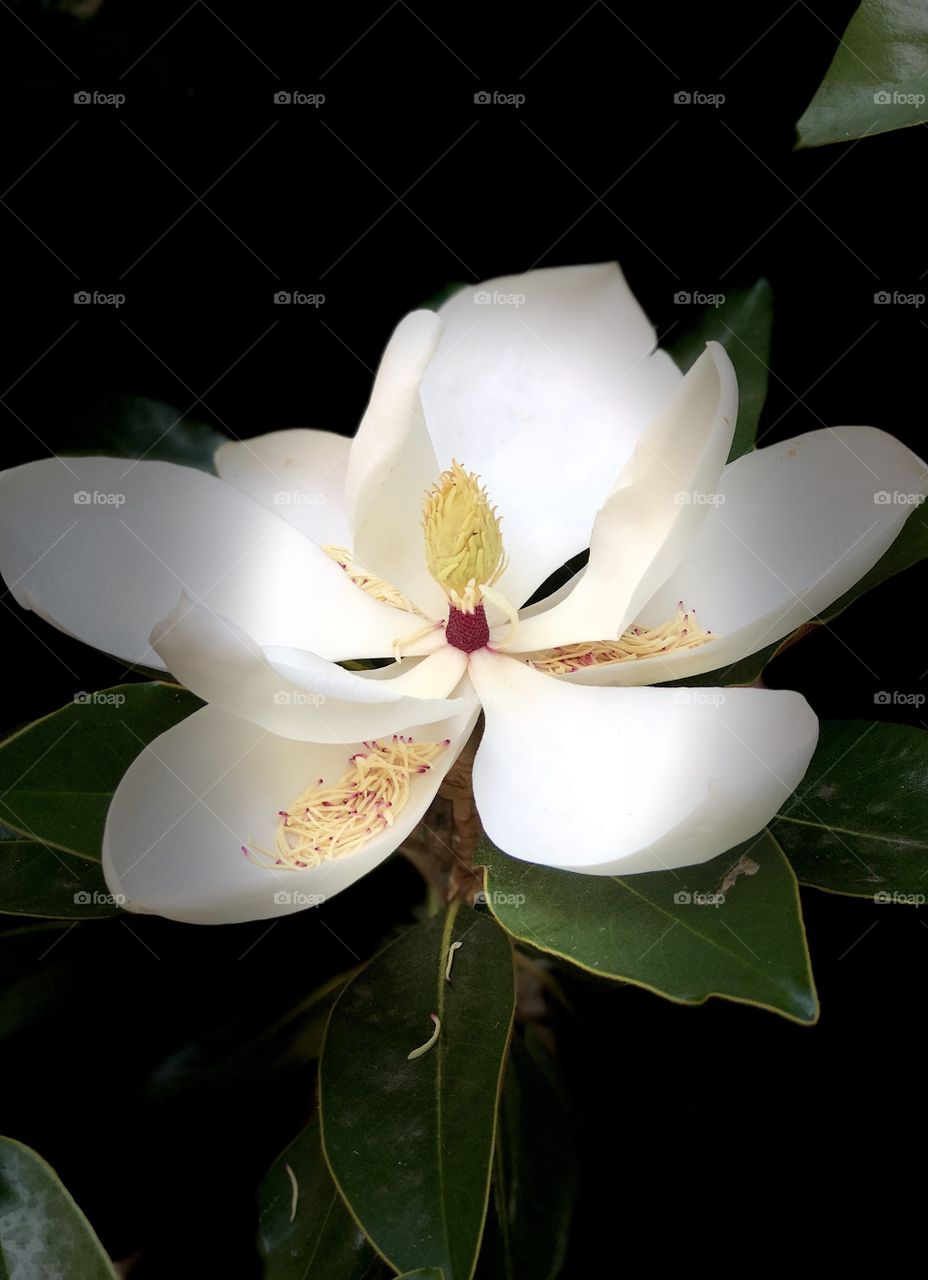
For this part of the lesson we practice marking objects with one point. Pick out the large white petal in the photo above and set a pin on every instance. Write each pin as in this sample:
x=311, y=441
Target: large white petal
x=299, y=474
x=392, y=465
x=298, y=694
x=101, y=548
x=543, y=383
x=213, y=783
x=614, y=781
x=797, y=527
x=658, y=504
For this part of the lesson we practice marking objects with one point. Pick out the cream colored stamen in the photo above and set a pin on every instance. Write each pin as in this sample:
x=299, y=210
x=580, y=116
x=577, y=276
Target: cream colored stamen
x=678, y=634
x=325, y=823
x=369, y=582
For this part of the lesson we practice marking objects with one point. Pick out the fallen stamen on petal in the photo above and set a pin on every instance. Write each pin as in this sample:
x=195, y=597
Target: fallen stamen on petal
x=679, y=633
x=424, y=1048
x=372, y=585
x=325, y=823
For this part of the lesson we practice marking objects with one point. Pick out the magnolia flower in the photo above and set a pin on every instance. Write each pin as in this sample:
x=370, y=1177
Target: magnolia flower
x=298, y=776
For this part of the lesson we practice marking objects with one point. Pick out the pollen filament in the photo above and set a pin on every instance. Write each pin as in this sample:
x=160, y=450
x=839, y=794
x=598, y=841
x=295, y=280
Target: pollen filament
x=679, y=633
x=374, y=586
x=325, y=823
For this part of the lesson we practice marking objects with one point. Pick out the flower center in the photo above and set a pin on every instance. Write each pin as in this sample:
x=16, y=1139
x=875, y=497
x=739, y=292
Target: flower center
x=463, y=545
x=467, y=631
x=324, y=823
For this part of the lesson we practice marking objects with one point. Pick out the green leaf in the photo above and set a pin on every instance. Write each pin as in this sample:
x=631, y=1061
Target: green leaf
x=305, y=1232
x=58, y=775
x=535, y=1170
x=858, y=822
x=659, y=931
x=43, y=1234
x=410, y=1143
x=743, y=325
x=876, y=81
x=134, y=427
x=38, y=881
x=422, y=1273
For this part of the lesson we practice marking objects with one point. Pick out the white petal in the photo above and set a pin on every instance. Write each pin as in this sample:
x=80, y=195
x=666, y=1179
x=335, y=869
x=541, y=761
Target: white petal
x=613, y=781
x=656, y=508
x=213, y=783
x=797, y=527
x=298, y=474
x=297, y=694
x=392, y=465
x=102, y=548
x=543, y=383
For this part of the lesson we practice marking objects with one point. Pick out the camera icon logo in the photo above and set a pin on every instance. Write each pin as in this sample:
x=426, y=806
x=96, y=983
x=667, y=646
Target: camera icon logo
x=882, y=699
x=81, y=96
x=683, y=897
x=682, y=97
x=83, y=298
x=882, y=298
x=82, y=498
x=682, y=298
x=882, y=98
x=481, y=97
x=282, y=96
x=282, y=298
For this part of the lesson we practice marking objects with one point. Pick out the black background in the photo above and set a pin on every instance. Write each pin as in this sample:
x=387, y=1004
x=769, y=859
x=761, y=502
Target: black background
x=720, y=1135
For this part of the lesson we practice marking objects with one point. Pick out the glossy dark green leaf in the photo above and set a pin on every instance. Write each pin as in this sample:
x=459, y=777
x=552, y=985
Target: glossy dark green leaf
x=58, y=775
x=858, y=822
x=43, y=1234
x=36, y=880
x=876, y=81
x=410, y=1143
x=535, y=1172
x=134, y=427
x=305, y=1232
x=742, y=324
x=667, y=930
